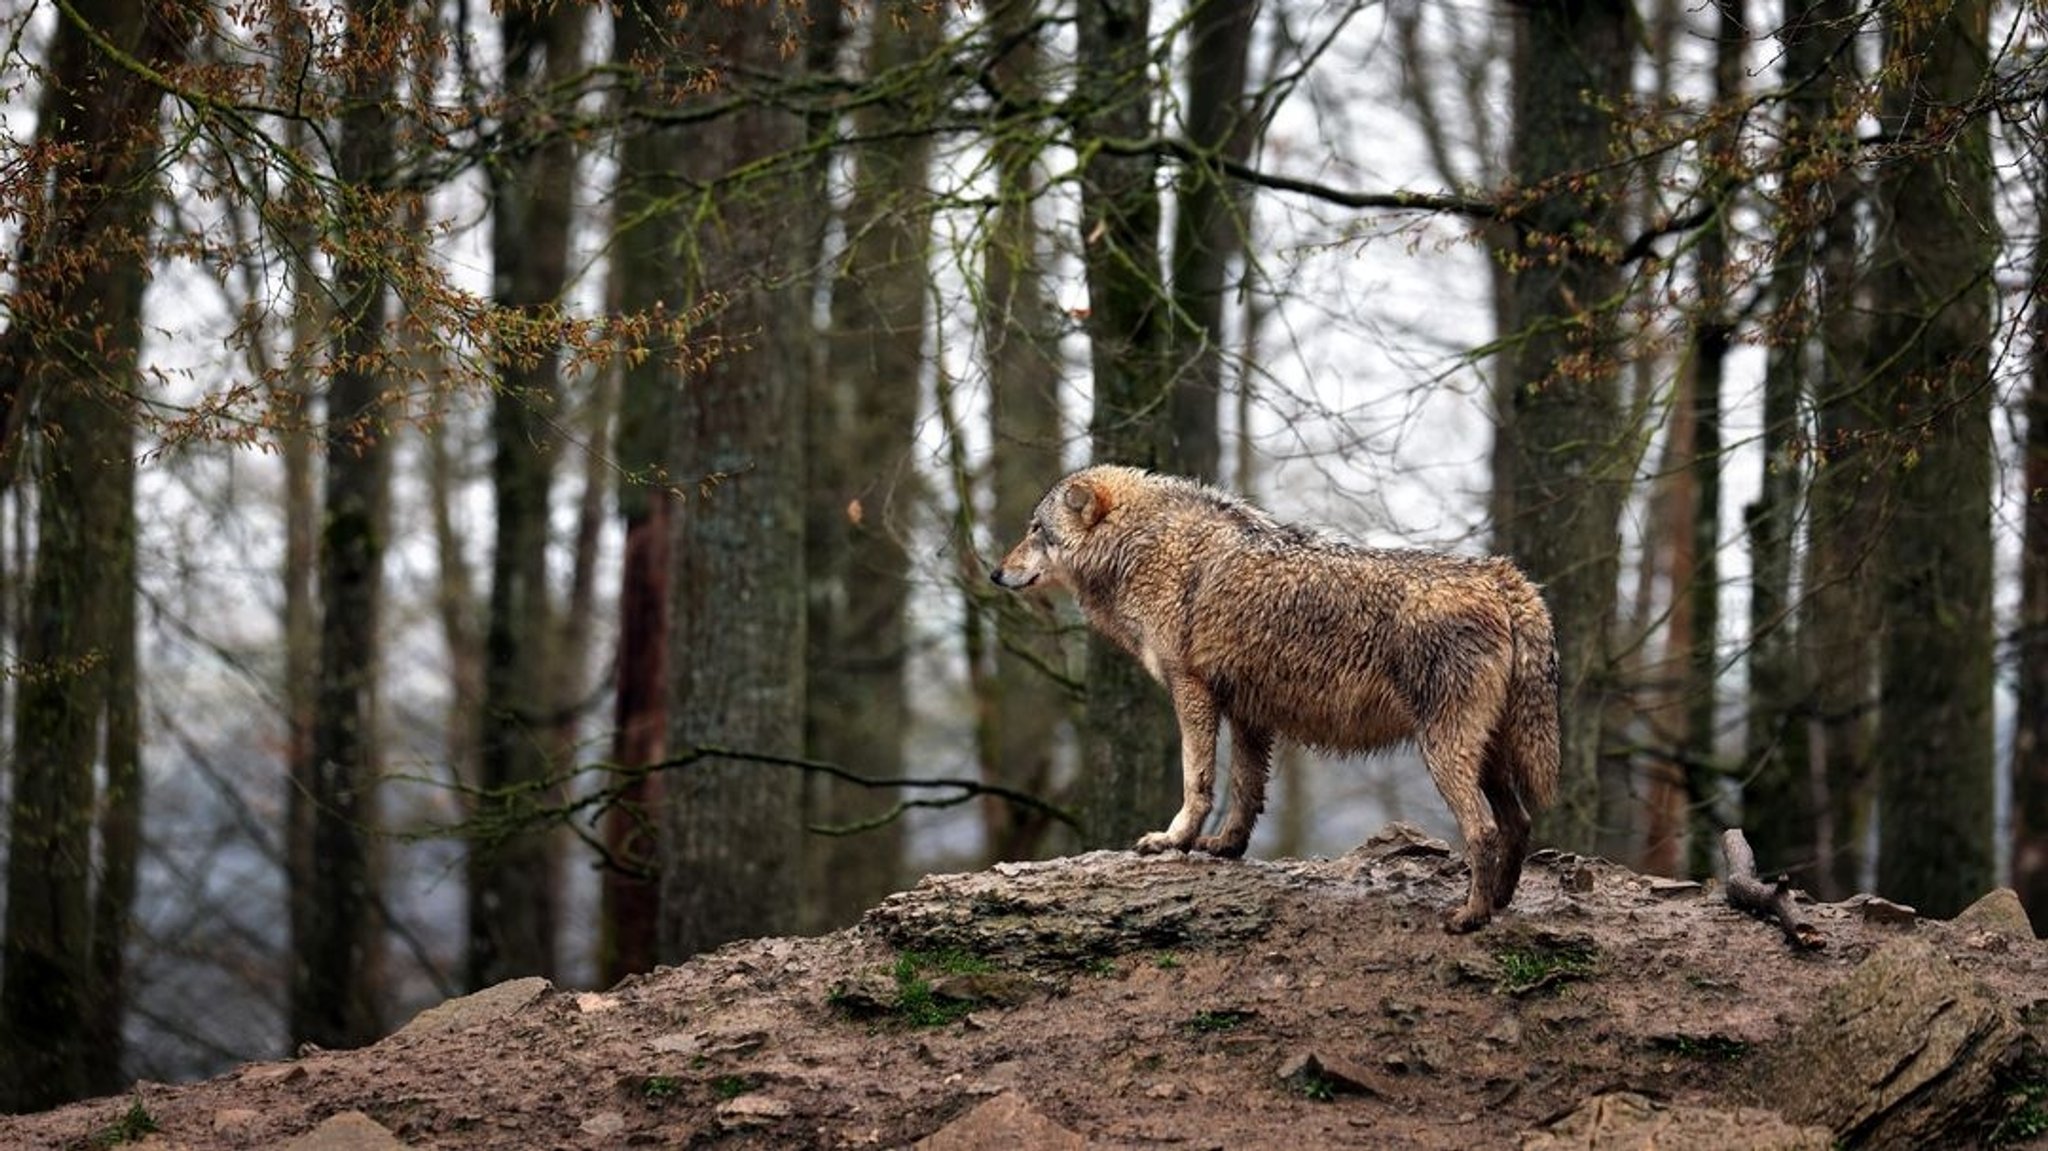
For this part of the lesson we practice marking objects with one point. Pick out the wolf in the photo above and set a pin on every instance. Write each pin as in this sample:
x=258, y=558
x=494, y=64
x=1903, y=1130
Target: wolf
x=1288, y=633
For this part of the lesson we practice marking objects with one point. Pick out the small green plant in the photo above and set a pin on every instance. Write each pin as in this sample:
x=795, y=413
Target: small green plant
x=1166, y=961
x=1314, y=1087
x=133, y=1125
x=1531, y=965
x=951, y=961
x=659, y=1087
x=1213, y=1022
x=1101, y=967
x=2027, y=1117
x=915, y=1002
x=732, y=1086
x=1714, y=1048
x=906, y=994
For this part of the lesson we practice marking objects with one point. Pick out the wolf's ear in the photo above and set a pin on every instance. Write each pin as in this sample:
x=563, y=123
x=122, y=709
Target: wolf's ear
x=1089, y=501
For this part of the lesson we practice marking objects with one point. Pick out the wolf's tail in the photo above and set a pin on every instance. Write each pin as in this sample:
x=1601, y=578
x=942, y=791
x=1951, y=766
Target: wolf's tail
x=1529, y=735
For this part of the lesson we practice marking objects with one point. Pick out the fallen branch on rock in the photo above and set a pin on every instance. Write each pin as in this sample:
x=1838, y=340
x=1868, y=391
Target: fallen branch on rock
x=1770, y=901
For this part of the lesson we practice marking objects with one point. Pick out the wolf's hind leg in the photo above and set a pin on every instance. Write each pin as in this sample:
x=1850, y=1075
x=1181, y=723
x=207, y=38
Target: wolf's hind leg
x=1514, y=822
x=1251, y=757
x=1455, y=753
x=1196, y=710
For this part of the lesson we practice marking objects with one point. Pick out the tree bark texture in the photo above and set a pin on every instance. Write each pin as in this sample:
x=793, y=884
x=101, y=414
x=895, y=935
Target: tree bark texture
x=336, y=936
x=1210, y=227
x=649, y=232
x=1029, y=704
x=514, y=886
x=2030, y=731
x=1936, y=241
x=732, y=832
x=1130, y=750
x=72, y=344
x=873, y=379
x=1838, y=621
x=1572, y=449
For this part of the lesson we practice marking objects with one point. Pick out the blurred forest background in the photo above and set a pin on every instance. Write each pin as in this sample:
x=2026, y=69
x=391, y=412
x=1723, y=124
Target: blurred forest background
x=496, y=489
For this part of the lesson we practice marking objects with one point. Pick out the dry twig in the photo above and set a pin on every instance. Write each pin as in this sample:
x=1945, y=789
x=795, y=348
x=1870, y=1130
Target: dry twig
x=1766, y=900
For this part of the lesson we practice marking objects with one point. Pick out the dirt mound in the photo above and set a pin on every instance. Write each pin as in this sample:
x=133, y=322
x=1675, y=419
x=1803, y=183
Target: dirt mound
x=1111, y=1000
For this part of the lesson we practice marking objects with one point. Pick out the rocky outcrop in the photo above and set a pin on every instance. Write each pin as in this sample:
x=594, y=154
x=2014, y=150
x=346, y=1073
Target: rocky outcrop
x=1906, y=1052
x=1625, y=1121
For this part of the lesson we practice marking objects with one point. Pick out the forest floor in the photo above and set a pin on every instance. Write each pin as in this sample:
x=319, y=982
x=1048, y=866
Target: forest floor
x=1109, y=1000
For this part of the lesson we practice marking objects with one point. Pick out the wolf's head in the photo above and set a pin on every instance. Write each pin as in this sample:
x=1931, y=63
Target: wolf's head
x=1066, y=515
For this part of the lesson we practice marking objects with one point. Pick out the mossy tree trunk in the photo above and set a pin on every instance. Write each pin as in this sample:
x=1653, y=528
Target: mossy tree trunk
x=71, y=348
x=1571, y=454
x=1130, y=757
x=1932, y=298
x=732, y=832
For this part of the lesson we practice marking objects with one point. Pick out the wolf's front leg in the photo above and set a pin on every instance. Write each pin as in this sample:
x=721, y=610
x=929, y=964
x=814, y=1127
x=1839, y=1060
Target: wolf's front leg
x=1196, y=710
x=1251, y=757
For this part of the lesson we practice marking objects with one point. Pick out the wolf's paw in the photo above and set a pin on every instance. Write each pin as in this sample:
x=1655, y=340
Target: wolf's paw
x=1156, y=842
x=1461, y=920
x=1222, y=846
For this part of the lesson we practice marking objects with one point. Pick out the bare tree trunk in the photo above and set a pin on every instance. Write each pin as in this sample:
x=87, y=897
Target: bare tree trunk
x=1838, y=618
x=1670, y=558
x=1573, y=452
x=301, y=622
x=732, y=834
x=1936, y=243
x=858, y=707
x=1777, y=793
x=1209, y=229
x=445, y=448
x=514, y=885
x=336, y=938
x=72, y=344
x=120, y=814
x=1129, y=776
x=2030, y=729
x=1029, y=704
x=649, y=227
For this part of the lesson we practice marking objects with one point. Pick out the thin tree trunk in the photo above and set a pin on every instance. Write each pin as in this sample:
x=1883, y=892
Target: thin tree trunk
x=858, y=707
x=1028, y=707
x=648, y=225
x=120, y=816
x=301, y=622
x=2030, y=729
x=1838, y=620
x=514, y=888
x=1777, y=794
x=336, y=945
x=1209, y=229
